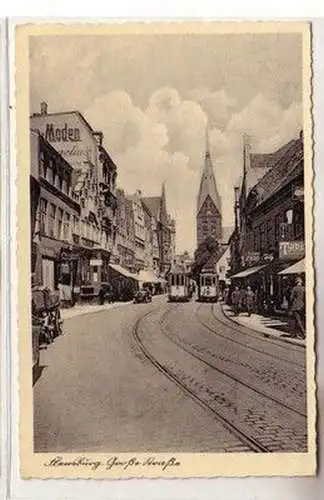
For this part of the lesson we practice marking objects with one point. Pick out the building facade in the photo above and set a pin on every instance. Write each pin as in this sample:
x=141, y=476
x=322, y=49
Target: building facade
x=125, y=232
x=269, y=234
x=165, y=230
x=209, y=210
x=92, y=187
x=139, y=229
x=53, y=211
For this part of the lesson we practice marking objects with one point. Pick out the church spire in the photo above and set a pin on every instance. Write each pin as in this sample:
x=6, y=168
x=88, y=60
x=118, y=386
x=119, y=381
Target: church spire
x=208, y=183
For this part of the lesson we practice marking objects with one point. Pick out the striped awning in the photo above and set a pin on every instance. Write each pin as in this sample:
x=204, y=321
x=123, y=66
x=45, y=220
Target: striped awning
x=248, y=272
x=297, y=268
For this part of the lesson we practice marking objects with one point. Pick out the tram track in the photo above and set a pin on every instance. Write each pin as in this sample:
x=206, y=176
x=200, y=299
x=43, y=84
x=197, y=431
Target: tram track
x=232, y=326
x=193, y=352
x=252, y=444
x=242, y=431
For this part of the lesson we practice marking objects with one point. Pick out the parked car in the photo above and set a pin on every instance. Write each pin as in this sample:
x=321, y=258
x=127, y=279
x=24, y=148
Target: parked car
x=106, y=294
x=142, y=295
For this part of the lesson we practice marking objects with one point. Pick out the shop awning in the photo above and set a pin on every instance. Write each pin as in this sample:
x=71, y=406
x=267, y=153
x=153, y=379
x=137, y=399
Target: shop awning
x=147, y=277
x=297, y=268
x=248, y=272
x=124, y=272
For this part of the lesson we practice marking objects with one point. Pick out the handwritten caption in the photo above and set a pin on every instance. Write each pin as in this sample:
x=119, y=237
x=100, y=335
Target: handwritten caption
x=114, y=462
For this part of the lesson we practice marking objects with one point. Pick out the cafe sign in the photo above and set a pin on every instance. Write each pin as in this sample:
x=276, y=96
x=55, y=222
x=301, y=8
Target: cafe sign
x=289, y=250
x=252, y=258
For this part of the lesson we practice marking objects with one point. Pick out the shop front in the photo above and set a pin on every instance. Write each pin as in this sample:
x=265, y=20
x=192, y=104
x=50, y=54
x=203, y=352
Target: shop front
x=124, y=283
x=92, y=272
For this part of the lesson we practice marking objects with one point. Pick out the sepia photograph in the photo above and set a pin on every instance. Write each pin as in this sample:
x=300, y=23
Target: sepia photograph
x=165, y=253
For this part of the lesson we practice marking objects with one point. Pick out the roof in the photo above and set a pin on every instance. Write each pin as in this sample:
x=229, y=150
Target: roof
x=261, y=163
x=227, y=233
x=289, y=164
x=208, y=184
x=153, y=203
x=71, y=112
x=214, y=258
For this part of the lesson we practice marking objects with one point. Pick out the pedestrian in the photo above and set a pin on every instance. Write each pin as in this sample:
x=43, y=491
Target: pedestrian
x=242, y=304
x=297, y=308
x=226, y=294
x=249, y=301
x=235, y=299
x=101, y=296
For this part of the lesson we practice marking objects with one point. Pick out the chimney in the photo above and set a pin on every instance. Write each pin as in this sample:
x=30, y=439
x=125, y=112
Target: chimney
x=43, y=108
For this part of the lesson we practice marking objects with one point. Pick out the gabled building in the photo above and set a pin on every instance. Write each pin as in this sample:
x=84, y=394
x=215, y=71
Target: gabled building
x=209, y=208
x=165, y=229
x=269, y=215
x=93, y=188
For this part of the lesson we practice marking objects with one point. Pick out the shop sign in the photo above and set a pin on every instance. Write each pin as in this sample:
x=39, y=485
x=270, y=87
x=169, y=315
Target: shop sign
x=252, y=258
x=267, y=257
x=95, y=262
x=291, y=250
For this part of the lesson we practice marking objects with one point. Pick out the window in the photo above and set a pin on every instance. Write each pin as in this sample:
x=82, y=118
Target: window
x=66, y=227
x=43, y=216
x=64, y=186
x=256, y=239
x=278, y=221
x=262, y=238
x=42, y=165
x=270, y=234
x=76, y=225
x=51, y=229
x=49, y=173
x=299, y=222
x=59, y=223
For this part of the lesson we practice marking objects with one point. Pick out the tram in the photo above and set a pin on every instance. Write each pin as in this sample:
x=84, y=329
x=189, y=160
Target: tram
x=180, y=287
x=208, y=287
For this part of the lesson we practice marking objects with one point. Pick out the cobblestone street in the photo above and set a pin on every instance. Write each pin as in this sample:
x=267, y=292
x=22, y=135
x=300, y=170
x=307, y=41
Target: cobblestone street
x=161, y=377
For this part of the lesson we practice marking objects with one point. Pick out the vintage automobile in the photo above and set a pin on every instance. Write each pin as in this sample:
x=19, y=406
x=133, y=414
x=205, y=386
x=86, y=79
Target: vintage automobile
x=142, y=295
x=106, y=294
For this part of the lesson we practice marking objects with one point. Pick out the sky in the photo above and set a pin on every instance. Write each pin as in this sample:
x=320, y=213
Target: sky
x=153, y=96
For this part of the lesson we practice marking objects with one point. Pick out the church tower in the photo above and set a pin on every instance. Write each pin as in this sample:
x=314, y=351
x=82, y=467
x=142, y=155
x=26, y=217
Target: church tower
x=209, y=209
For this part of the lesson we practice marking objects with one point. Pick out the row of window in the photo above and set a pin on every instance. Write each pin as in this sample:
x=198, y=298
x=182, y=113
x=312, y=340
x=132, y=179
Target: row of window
x=57, y=223
x=54, y=176
x=288, y=226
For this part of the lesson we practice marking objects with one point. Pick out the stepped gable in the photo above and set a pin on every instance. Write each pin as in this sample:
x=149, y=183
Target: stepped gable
x=288, y=164
x=153, y=204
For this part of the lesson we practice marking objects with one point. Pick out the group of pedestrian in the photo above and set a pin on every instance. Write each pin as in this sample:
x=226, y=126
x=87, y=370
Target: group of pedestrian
x=243, y=300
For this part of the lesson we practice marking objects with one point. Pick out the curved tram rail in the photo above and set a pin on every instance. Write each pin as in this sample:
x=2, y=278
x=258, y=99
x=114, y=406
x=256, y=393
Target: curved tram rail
x=247, y=440
x=194, y=353
x=230, y=326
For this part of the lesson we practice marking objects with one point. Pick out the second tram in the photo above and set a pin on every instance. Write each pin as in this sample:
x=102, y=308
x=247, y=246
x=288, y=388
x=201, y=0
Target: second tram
x=180, y=286
x=208, y=287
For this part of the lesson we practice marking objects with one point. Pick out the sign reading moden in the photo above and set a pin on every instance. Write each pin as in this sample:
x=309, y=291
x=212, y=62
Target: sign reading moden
x=64, y=134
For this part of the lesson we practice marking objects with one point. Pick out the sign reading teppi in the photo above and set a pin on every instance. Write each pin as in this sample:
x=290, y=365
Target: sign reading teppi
x=291, y=250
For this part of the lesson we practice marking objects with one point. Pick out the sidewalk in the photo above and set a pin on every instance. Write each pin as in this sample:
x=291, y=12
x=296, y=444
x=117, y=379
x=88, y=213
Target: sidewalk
x=80, y=310
x=269, y=327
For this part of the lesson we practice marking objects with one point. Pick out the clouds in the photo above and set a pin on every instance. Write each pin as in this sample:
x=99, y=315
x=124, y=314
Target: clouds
x=166, y=143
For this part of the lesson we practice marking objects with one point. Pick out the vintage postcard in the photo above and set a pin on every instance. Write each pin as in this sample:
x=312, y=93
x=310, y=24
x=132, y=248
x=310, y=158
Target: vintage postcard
x=165, y=251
